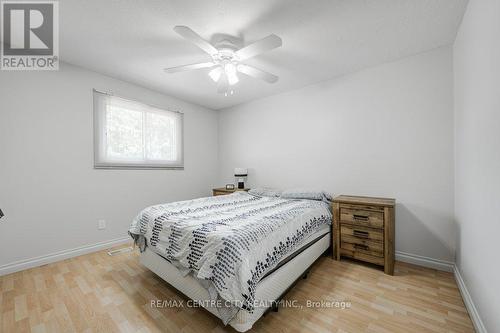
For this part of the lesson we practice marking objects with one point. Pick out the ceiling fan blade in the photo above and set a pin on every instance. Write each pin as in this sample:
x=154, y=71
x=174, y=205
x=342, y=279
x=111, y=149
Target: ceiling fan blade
x=193, y=37
x=223, y=85
x=261, y=46
x=256, y=73
x=189, y=67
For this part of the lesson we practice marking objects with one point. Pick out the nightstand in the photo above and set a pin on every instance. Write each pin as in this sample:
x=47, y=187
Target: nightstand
x=224, y=191
x=364, y=229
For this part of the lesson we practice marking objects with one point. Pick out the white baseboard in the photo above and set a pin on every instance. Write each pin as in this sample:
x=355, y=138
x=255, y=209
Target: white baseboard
x=441, y=265
x=469, y=304
x=46, y=259
x=61, y=255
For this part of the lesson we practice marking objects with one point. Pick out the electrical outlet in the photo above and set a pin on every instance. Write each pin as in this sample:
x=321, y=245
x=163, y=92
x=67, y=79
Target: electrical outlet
x=101, y=224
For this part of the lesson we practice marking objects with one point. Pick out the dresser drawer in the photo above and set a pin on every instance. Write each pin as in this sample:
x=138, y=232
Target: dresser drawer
x=366, y=246
x=362, y=256
x=360, y=233
x=369, y=218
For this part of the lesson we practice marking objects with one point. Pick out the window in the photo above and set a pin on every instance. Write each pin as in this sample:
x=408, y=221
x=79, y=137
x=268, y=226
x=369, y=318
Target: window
x=130, y=134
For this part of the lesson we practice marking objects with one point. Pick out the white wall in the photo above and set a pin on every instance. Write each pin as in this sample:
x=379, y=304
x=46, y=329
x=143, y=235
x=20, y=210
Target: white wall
x=50, y=193
x=477, y=159
x=384, y=131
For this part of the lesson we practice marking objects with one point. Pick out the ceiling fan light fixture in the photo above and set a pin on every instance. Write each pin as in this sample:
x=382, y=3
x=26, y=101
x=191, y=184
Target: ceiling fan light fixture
x=232, y=79
x=230, y=70
x=215, y=74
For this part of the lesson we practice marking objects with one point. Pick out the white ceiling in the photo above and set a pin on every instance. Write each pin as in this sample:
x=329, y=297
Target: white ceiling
x=133, y=39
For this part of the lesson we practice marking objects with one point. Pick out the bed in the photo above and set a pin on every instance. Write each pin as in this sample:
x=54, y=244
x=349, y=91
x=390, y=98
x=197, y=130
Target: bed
x=235, y=255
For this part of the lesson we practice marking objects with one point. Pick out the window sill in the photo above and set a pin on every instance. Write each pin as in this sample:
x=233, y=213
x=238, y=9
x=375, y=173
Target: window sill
x=137, y=167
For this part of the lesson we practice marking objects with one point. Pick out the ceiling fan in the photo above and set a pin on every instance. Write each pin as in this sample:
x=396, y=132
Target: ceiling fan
x=227, y=59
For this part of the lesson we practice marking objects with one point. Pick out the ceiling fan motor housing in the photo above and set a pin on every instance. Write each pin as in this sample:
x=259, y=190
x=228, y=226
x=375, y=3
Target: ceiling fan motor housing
x=225, y=55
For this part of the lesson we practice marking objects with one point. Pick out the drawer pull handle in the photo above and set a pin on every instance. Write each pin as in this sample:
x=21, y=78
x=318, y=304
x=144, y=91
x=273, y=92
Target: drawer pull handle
x=361, y=234
x=360, y=217
x=360, y=247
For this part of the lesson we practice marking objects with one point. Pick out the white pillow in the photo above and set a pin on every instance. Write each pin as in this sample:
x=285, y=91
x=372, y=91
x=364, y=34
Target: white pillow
x=265, y=192
x=306, y=194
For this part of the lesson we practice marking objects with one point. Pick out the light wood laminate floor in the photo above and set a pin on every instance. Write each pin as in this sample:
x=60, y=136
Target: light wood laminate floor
x=99, y=293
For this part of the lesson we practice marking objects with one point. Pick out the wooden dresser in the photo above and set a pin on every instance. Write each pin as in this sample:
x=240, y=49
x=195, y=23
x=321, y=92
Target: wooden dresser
x=224, y=191
x=364, y=229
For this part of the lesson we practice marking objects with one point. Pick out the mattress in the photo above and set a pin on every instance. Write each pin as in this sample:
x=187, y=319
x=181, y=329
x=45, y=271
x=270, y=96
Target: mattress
x=267, y=290
x=230, y=243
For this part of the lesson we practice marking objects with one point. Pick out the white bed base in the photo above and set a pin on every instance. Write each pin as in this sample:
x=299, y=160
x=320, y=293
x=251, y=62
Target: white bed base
x=270, y=288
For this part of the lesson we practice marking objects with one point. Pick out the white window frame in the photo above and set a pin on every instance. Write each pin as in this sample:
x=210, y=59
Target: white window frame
x=101, y=161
